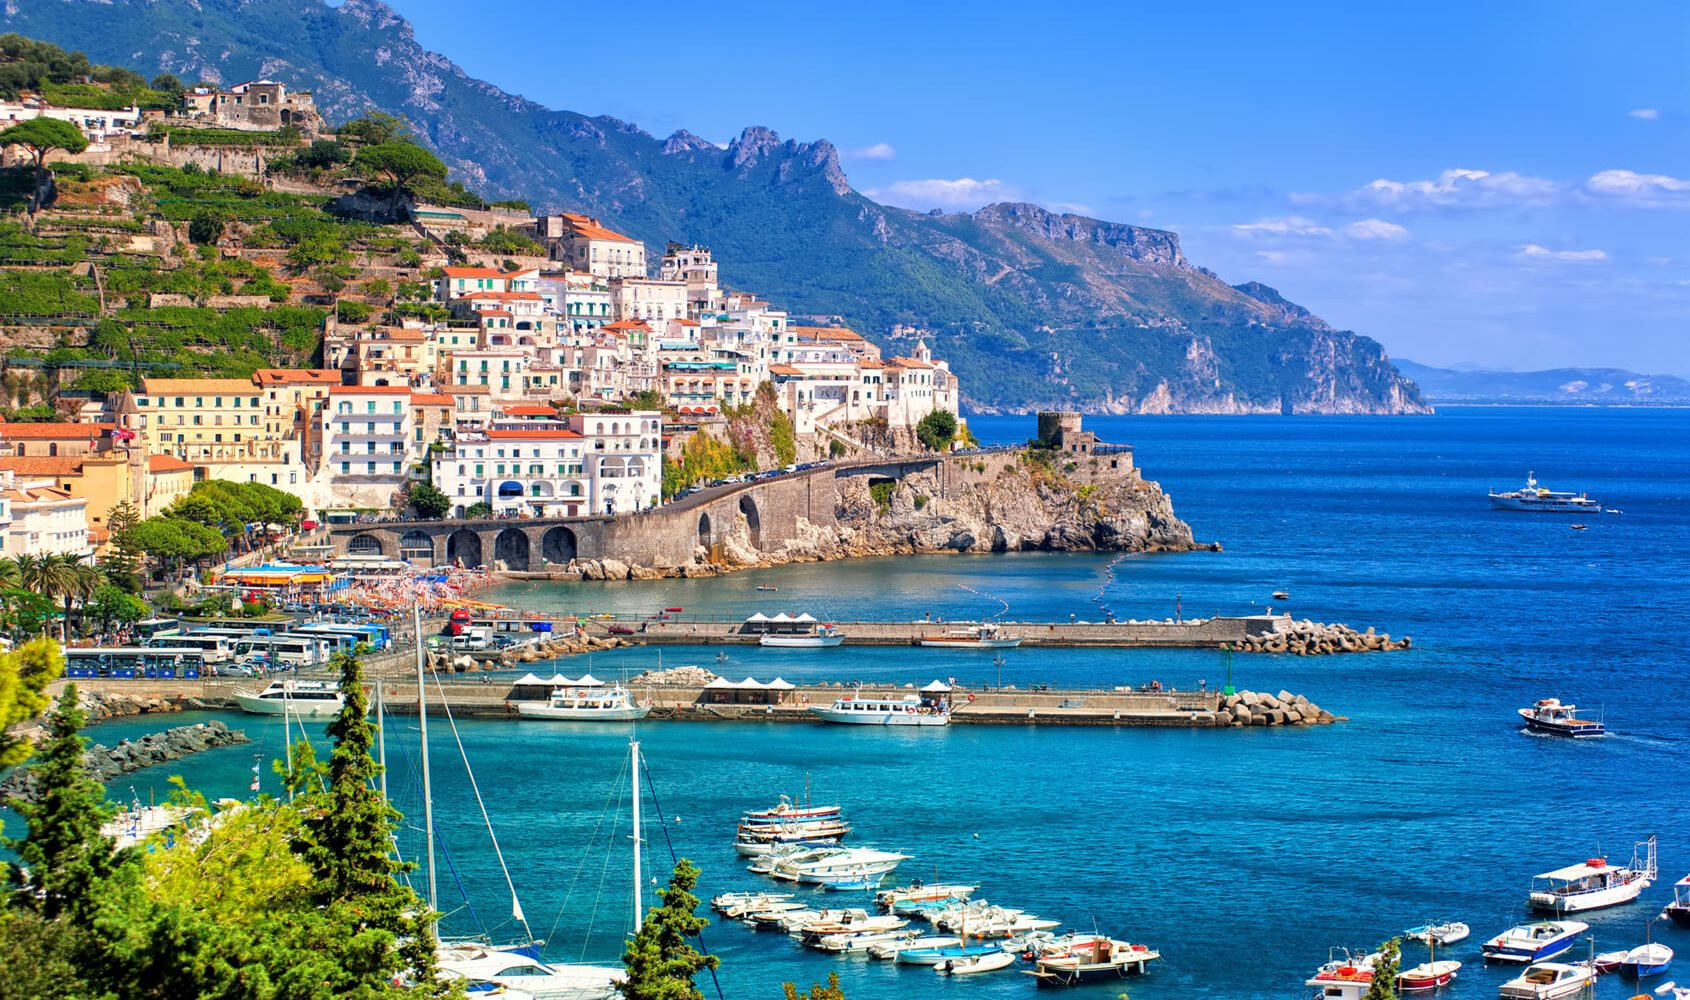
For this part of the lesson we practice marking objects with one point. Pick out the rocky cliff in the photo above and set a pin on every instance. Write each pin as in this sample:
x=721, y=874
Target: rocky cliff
x=1034, y=309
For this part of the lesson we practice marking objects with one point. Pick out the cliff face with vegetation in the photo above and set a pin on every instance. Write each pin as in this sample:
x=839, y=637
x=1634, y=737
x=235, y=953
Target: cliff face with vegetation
x=1034, y=309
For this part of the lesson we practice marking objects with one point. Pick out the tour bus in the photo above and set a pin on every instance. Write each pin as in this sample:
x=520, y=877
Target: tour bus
x=243, y=625
x=155, y=627
x=293, y=651
x=134, y=661
x=376, y=636
x=334, y=642
x=217, y=648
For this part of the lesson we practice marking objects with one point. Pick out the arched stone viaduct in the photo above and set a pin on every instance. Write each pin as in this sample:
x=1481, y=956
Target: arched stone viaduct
x=662, y=538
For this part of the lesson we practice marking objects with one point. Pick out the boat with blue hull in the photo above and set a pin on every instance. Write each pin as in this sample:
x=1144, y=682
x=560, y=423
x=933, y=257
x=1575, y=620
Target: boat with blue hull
x=1533, y=942
x=1646, y=960
x=1550, y=717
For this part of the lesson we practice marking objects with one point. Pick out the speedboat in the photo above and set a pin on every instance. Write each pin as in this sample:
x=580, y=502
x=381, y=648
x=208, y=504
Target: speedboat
x=585, y=704
x=293, y=697
x=917, y=893
x=1548, y=980
x=1678, y=911
x=518, y=970
x=1086, y=957
x=842, y=864
x=1533, y=942
x=856, y=942
x=1594, y=884
x=1650, y=959
x=1446, y=933
x=943, y=953
x=908, y=710
x=891, y=949
x=1549, y=716
x=979, y=963
x=1427, y=976
x=987, y=636
x=1533, y=497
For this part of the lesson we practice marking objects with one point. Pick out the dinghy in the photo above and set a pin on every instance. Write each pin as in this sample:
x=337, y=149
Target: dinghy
x=979, y=963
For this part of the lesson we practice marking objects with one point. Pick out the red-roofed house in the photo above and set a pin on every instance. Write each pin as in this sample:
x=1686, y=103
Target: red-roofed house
x=585, y=244
x=20, y=439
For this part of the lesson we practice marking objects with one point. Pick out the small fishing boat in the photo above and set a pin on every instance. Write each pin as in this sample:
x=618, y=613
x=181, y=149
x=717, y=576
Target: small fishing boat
x=979, y=963
x=987, y=636
x=1547, y=981
x=909, y=710
x=1576, y=527
x=1646, y=960
x=730, y=902
x=1678, y=911
x=1427, y=976
x=1447, y=933
x=823, y=637
x=1282, y=595
x=1345, y=976
x=892, y=949
x=764, y=586
x=1533, y=942
x=293, y=697
x=1609, y=961
x=1549, y=716
x=919, y=893
x=1085, y=957
x=1594, y=884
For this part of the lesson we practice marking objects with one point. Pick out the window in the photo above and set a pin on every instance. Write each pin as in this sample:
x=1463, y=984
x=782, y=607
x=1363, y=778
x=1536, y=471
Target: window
x=345, y=468
x=372, y=467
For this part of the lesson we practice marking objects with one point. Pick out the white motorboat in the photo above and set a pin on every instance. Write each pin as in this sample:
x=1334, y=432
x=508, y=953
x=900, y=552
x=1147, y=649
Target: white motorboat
x=841, y=865
x=908, y=710
x=1549, y=716
x=1085, y=957
x=1594, y=884
x=1533, y=497
x=1547, y=981
x=585, y=704
x=861, y=941
x=989, y=962
x=1447, y=933
x=517, y=970
x=1533, y=942
x=890, y=949
x=822, y=637
x=986, y=636
x=293, y=697
x=946, y=953
x=920, y=896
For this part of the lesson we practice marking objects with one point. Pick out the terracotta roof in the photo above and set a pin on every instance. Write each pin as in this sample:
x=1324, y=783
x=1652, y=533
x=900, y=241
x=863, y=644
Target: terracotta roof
x=626, y=324
x=393, y=333
x=869, y=363
x=45, y=465
x=201, y=386
x=552, y=434
x=56, y=430
x=432, y=399
x=590, y=228
x=365, y=390
x=529, y=410
x=783, y=370
x=909, y=363
x=506, y=313
x=472, y=272
x=684, y=322
x=297, y=376
x=503, y=296
x=470, y=390
x=38, y=494
x=167, y=463
x=827, y=332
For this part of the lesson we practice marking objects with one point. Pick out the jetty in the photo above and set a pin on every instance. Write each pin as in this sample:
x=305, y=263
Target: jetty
x=1211, y=633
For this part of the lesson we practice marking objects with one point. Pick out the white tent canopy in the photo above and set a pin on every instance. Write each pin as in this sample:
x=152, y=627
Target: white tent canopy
x=782, y=617
x=758, y=617
x=937, y=687
x=750, y=684
x=558, y=680
x=805, y=617
x=781, y=684
x=718, y=683
x=527, y=679
x=589, y=681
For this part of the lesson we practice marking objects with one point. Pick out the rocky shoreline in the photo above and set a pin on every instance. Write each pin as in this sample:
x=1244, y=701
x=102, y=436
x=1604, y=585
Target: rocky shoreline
x=1311, y=638
x=1251, y=708
x=104, y=764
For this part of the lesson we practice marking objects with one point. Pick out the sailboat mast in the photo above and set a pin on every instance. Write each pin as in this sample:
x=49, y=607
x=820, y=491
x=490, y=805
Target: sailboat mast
x=287, y=740
x=381, y=740
x=639, y=904
x=427, y=786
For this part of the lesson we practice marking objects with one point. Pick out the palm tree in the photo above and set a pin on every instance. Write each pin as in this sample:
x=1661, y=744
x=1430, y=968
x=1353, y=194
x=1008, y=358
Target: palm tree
x=81, y=580
x=51, y=576
x=9, y=575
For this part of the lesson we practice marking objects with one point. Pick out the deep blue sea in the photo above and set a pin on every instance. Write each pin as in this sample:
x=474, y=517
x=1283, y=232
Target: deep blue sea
x=1242, y=855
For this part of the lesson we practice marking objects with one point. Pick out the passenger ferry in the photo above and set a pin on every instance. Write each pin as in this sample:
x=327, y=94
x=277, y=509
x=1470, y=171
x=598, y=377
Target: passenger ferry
x=908, y=710
x=1535, y=498
x=1594, y=884
x=589, y=704
x=987, y=636
x=824, y=636
x=293, y=697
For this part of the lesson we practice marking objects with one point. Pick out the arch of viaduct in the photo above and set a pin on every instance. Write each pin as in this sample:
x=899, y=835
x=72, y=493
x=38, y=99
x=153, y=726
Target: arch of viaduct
x=661, y=538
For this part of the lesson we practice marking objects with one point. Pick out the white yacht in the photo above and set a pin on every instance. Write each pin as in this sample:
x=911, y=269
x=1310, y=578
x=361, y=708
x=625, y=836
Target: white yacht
x=293, y=697
x=1535, y=498
x=907, y=710
x=822, y=637
x=585, y=704
x=1594, y=884
x=516, y=970
x=829, y=866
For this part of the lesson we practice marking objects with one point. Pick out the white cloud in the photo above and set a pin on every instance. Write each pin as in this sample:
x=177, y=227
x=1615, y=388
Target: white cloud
x=963, y=192
x=1070, y=208
x=1651, y=190
x=1459, y=188
x=878, y=151
x=1288, y=225
x=1647, y=114
x=1375, y=229
x=1544, y=253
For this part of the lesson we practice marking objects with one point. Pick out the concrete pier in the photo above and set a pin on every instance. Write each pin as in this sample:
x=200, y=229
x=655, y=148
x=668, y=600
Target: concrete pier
x=1199, y=633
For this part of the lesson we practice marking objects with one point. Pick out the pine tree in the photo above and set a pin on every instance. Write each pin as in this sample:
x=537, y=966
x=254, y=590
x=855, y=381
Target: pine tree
x=123, y=562
x=1384, y=984
x=64, y=857
x=659, y=959
x=347, y=843
x=819, y=992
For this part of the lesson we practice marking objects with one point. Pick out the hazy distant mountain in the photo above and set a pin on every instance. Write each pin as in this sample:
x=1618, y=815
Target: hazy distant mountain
x=1033, y=308
x=1599, y=386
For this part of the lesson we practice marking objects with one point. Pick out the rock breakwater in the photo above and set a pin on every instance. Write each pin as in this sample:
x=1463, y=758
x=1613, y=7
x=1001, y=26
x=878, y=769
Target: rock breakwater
x=1311, y=638
x=1253, y=708
x=104, y=764
x=546, y=649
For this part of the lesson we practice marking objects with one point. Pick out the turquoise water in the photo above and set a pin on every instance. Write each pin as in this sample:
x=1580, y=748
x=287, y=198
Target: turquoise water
x=1243, y=856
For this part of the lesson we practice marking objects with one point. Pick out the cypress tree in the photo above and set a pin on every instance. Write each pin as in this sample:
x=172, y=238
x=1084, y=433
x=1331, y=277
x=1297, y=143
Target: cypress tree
x=1384, y=984
x=660, y=960
x=64, y=857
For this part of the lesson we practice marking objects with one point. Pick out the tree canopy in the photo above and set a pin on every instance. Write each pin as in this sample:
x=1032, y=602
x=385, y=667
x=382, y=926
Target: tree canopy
x=660, y=959
x=399, y=162
x=937, y=430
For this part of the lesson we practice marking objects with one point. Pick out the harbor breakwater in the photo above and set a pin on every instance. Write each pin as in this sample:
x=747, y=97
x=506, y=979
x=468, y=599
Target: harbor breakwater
x=104, y=763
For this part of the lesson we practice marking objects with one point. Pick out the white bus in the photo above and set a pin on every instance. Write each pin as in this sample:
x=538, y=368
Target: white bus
x=291, y=651
x=216, y=648
x=152, y=627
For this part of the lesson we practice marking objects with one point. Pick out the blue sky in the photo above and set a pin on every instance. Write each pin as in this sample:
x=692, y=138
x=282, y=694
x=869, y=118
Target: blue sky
x=1506, y=183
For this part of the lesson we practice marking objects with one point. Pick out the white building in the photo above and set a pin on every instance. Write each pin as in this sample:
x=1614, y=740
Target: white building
x=369, y=443
x=530, y=464
x=40, y=519
x=652, y=301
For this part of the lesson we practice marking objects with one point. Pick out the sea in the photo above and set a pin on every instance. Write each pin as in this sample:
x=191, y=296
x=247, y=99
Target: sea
x=1242, y=856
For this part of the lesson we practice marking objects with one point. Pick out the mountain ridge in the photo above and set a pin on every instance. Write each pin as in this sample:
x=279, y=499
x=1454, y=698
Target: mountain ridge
x=1034, y=308
x=1575, y=386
